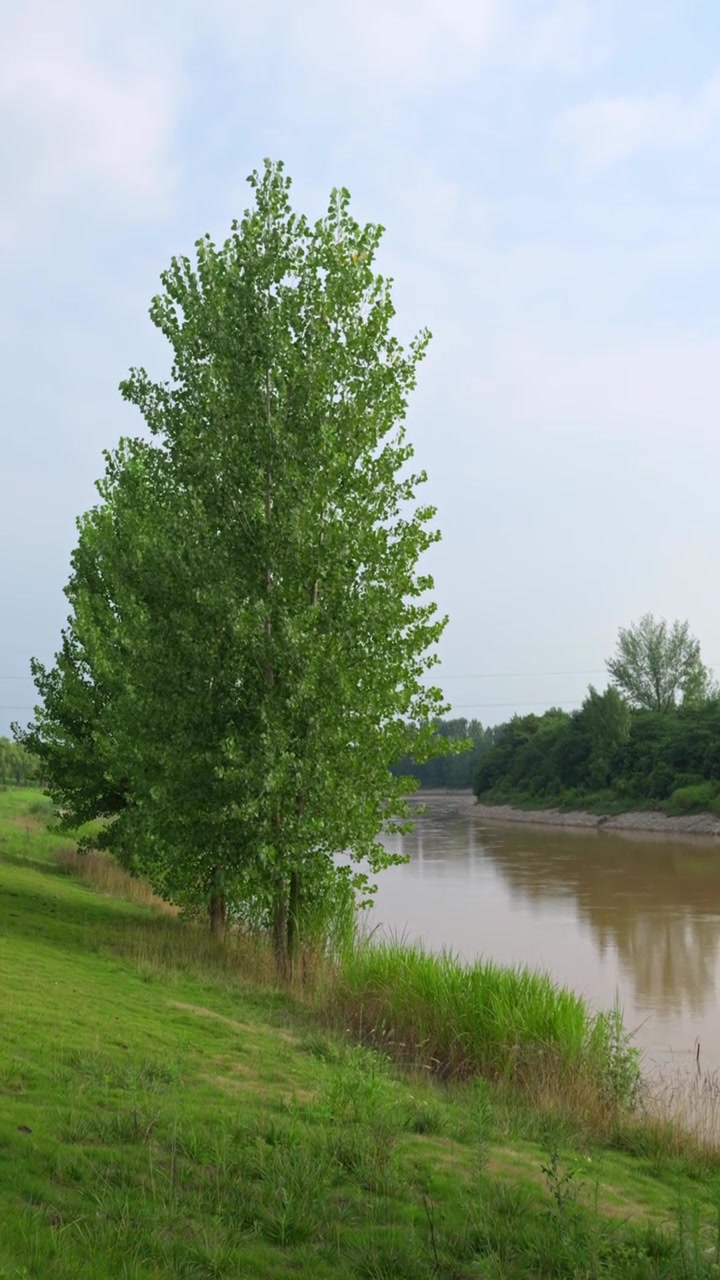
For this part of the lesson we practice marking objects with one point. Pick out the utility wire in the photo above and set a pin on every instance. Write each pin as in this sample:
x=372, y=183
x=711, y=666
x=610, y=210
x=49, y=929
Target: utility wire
x=518, y=702
x=511, y=675
x=479, y=675
x=467, y=706
x=476, y=675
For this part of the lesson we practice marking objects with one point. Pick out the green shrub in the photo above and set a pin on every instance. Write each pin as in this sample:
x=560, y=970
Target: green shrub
x=568, y=760
x=699, y=796
x=661, y=782
x=687, y=780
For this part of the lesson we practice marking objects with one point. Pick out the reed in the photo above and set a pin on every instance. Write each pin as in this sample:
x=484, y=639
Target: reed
x=461, y=1020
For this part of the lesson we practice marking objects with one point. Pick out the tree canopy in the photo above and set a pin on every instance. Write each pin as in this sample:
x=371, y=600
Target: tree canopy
x=455, y=768
x=656, y=666
x=17, y=767
x=250, y=636
x=605, y=754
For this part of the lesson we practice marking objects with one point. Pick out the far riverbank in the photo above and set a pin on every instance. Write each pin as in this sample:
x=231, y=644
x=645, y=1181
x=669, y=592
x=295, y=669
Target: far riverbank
x=693, y=824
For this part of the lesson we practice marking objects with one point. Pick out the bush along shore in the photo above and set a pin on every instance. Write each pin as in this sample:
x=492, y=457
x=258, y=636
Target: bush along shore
x=390, y=1114
x=643, y=770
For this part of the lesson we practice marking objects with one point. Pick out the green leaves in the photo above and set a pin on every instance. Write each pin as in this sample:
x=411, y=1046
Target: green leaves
x=657, y=666
x=246, y=605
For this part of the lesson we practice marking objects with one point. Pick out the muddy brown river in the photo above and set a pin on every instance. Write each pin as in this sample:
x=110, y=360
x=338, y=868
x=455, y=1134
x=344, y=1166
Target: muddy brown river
x=635, y=917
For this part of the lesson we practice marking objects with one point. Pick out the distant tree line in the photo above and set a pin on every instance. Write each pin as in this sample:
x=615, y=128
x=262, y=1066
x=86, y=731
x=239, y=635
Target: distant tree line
x=651, y=739
x=18, y=768
x=457, y=770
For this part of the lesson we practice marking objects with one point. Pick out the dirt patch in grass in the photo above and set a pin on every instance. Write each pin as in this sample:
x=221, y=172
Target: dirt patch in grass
x=612, y=1201
x=445, y=1153
x=27, y=822
x=201, y=1012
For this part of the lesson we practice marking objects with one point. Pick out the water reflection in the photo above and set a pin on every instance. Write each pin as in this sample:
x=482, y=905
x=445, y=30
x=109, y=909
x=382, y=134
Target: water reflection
x=605, y=912
x=654, y=903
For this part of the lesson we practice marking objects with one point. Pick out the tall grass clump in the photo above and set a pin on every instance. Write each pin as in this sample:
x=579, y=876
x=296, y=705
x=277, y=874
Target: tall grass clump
x=678, y=1115
x=103, y=873
x=162, y=947
x=461, y=1020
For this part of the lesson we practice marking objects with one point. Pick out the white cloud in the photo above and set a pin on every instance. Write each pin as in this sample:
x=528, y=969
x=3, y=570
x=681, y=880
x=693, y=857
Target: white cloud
x=633, y=389
x=83, y=111
x=609, y=130
x=562, y=38
x=392, y=50
x=389, y=48
x=91, y=94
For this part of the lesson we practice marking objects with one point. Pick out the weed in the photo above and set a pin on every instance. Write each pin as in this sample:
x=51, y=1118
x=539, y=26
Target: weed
x=425, y=1116
x=563, y=1183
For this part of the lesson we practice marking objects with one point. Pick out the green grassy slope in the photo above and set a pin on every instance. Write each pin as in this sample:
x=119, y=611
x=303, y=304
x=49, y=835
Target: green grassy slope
x=166, y=1113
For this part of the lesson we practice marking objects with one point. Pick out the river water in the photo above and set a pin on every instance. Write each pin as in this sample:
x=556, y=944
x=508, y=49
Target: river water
x=610, y=915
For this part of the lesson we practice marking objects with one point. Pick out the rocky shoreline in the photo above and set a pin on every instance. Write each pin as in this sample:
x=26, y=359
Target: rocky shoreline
x=692, y=824
x=696, y=824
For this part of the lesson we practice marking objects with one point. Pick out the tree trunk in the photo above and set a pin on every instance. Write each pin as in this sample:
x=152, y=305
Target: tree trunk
x=218, y=905
x=285, y=926
x=218, y=913
x=280, y=931
x=292, y=921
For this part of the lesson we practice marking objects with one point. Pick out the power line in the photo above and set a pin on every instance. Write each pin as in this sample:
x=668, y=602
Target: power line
x=476, y=675
x=530, y=675
x=479, y=675
x=511, y=675
x=519, y=702
x=463, y=706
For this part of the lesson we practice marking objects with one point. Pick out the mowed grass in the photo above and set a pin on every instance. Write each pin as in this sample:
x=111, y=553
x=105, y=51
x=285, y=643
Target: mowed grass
x=166, y=1111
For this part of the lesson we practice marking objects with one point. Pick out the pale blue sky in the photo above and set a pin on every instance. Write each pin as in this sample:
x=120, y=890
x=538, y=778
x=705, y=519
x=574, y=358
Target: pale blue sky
x=549, y=175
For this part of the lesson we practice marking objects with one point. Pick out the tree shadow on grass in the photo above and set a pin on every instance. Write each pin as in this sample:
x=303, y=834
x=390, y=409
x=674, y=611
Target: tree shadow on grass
x=49, y=909
x=55, y=910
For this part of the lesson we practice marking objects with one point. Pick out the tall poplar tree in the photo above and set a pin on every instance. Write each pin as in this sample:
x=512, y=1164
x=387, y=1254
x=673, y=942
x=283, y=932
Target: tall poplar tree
x=246, y=597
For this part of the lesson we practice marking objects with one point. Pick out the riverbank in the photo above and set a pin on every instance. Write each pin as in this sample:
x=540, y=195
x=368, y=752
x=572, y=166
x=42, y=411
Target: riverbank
x=696, y=824
x=186, y=1117
x=641, y=820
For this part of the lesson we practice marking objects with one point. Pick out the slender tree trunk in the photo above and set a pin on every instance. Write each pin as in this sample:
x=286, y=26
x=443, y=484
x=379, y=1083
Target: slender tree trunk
x=218, y=906
x=292, y=920
x=218, y=913
x=280, y=931
x=280, y=915
x=285, y=926
x=269, y=671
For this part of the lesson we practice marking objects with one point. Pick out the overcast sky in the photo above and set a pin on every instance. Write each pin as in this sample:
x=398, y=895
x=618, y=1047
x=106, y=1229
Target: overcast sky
x=548, y=172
